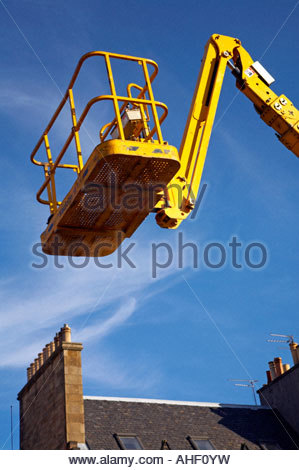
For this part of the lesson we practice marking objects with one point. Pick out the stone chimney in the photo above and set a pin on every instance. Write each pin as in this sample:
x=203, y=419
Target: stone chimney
x=51, y=402
x=282, y=390
x=295, y=352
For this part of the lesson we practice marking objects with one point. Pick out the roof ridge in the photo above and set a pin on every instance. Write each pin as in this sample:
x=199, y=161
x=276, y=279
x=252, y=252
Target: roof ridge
x=175, y=402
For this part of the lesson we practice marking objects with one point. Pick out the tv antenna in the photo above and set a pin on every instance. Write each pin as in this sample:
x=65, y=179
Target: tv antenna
x=250, y=384
x=287, y=338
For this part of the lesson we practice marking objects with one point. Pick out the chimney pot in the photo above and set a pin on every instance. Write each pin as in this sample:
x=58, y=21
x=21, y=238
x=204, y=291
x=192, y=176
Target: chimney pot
x=272, y=370
x=286, y=367
x=294, y=353
x=57, y=341
x=278, y=366
x=269, y=378
x=60, y=337
x=36, y=362
x=29, y=373
x=52, y=347
x=40, y=359
x=45, y=353
x=66, y=333
x=32, y=367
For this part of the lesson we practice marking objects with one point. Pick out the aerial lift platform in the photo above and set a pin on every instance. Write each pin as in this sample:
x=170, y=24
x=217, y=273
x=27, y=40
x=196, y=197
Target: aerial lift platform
x=135, y=165
x=133, y=156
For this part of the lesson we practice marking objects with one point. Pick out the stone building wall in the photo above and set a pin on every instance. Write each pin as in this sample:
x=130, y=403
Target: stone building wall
x=282, y=394
x=51, y=403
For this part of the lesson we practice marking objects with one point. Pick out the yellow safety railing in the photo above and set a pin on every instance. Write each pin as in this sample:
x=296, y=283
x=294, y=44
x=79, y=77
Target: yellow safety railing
x=119, y=104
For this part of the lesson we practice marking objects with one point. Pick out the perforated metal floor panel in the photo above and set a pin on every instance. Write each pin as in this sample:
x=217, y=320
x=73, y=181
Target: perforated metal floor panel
x=117, y=188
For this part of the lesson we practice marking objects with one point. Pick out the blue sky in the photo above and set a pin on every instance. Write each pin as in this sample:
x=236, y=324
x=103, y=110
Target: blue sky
x=182, y=335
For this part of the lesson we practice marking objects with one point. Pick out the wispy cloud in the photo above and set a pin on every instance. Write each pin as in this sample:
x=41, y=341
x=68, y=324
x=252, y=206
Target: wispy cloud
x=16, y=356
x=33, y=105
x=34, y=306
x=102, y=329
x=20, y=98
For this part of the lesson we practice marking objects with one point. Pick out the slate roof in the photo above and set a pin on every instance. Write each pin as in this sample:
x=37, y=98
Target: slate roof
x=228, y=427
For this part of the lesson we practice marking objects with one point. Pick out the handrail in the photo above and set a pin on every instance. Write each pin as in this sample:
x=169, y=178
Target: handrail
x=72, y=82
x=140, y=101
x=79, y=124
x=108, y=127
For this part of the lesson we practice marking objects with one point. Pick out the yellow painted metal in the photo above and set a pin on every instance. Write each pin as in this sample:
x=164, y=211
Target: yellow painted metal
x=183, y=188
x=50, y=198
x=168, y=183
x=136, y=159
x=48, y=173
x=119, y=102
x=154, y=108
x=121, y=183
x=277, y=111
x=115, y=102
x=76, y=133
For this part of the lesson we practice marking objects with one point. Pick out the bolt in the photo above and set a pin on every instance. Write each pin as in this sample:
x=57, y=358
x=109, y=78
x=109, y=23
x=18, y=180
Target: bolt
x=277, y=106
x=283, y=101
x=181, y=178
x=226, y=54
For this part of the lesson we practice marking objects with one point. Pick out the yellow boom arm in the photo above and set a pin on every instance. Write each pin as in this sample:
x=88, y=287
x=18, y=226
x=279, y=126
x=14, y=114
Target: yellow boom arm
x=253, y=80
